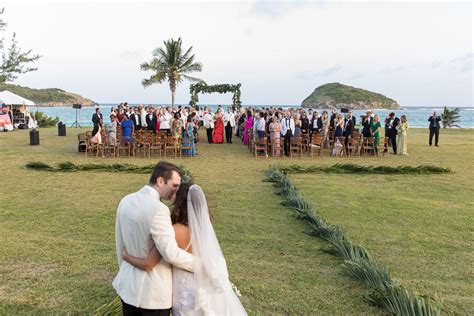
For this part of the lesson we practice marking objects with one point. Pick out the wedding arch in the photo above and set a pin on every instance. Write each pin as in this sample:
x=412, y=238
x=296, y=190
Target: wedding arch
x=199, y=87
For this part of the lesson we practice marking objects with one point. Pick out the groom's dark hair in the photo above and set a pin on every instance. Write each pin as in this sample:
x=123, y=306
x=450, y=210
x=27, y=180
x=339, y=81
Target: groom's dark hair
x=165, y=170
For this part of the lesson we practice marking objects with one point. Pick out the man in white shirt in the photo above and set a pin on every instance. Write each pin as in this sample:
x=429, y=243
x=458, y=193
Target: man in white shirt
x=229, y=123
x=261, y=125
x=287, y=129
x=143, y=222
x=165, y=121
x=208, y=121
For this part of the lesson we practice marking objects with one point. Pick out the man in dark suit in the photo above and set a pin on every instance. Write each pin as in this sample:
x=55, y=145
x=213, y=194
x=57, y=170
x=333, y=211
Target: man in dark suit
x=151, y=120
x=434, y=128
x=97, y=119
x=349, y=124
x=391, y=130
x=136, y=119
x=331, y=119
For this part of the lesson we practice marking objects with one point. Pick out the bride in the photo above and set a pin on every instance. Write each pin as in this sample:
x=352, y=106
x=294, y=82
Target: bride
x=208, y=290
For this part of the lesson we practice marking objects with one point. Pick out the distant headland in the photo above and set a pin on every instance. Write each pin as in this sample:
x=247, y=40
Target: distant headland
x=337, y=95
x=47, y=97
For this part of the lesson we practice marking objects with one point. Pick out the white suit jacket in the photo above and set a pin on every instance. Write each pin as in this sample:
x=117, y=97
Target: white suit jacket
x=229, y=117
x=285, y=126
x=143, y=221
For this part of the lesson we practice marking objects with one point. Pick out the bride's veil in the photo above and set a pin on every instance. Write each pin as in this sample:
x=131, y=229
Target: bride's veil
x=214, y=294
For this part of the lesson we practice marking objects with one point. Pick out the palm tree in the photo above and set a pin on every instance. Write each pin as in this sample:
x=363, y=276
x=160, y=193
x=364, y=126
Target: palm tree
x=169, y=63
x=449, y=118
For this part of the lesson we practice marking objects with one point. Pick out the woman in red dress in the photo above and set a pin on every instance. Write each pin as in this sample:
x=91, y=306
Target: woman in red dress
x=218, y=134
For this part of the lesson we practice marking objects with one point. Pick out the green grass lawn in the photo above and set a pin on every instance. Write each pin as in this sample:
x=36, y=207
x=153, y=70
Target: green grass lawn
x=57, y=229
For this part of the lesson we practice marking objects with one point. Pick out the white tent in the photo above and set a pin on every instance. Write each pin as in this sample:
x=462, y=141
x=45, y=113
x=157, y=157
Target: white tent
x=9, y=98
x=20, y=104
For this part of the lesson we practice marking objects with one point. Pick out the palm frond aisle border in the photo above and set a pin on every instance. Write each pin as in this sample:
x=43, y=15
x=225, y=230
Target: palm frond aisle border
x=353, y=168
x=358, y=264
x=68, y=166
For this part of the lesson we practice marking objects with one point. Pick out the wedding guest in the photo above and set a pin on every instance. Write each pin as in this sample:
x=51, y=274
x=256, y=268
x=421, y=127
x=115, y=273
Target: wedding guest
x=260, y=125
x=240, y=119
x=332, y=120
x=208, y=122
x=366, y=129
x=316, y=123
x=287, y=125
x=188, y=138
x=338, y=125
x=158, y=113
x=136, y=119
x=120, y=115
x=142, y=111
x=349, y=123
x=391, y=130
x=434, y=128
x=112, y=131
x=325, y=127
x=165, y=121
x=6, y=119
x=375, y=128
x=218, y=133
x=402, y=135
x=177, y=126
x=275, y=129
x=305, y=124
x=97, y=120
x=151, y=120
x=297, y=126
x=229, y=123
x=127, y=130
x=248, y=125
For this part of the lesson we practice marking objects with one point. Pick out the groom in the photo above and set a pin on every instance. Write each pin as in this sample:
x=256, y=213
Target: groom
x=143, y=222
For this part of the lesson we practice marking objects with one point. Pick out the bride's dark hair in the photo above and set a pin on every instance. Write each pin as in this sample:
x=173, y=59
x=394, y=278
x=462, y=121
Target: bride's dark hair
x=179, y=215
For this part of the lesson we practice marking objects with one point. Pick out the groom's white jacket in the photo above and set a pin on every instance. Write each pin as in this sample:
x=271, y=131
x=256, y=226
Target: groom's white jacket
x=143, y=221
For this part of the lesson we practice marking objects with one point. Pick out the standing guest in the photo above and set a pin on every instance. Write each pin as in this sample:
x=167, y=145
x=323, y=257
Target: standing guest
x=297, y=126
x=177, y=126
x=402, y=135
x=240, y=119
x=287, y=125
x=305, y=127
x=275, y=129
x=375, y=128
x=142, y=111
x=247, y=125
x=158, y=114
x=188, y=138
x=316, y=123
x=332, y=120
x=366, y=129
x=208, y=124
x=349, y=124
x=6, y=121
x=112, y=131
x=391, y=130
x=338, y=125
x=136, y=119
x=229, y=123
x=151, y=120
x=218, y=133
x=97, y=120
x=260, y=125
x=165, y=121
x=325, y=127
x=434, y=128
x=120, y=115
x=127, y=132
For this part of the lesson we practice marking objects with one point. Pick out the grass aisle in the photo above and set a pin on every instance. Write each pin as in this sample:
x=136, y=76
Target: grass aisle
x=57, y=229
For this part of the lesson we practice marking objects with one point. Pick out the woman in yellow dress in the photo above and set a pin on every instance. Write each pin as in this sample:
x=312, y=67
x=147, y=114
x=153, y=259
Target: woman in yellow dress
x=402, y=135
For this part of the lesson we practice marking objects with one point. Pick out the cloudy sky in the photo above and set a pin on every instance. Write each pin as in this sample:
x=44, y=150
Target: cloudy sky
x=418, y=53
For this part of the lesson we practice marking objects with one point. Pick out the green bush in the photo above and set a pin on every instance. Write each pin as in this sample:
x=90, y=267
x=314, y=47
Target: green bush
x=44, y=120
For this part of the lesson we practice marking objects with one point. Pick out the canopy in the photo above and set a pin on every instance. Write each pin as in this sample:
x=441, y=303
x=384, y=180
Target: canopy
x=9, y=98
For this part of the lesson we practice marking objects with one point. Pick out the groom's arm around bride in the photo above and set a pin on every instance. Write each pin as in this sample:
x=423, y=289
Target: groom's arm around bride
x=143, y=222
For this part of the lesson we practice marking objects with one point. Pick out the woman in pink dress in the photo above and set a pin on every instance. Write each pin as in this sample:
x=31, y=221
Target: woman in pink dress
x=218, y=134
x=248, y=125
x=275, y=136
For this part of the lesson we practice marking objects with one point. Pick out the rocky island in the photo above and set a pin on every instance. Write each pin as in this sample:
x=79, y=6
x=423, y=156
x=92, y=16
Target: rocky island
x=337, y=95
x=47, y=97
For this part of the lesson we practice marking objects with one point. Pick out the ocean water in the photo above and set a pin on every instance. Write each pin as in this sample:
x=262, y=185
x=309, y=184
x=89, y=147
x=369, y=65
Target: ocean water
x=417, y=116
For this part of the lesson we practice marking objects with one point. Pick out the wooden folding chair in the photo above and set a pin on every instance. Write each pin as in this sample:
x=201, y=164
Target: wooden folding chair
x=261, y=147
x=316, y=145
x=296, y=146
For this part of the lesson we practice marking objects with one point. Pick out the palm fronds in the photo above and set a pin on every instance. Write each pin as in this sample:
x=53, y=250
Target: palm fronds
x=113, y=308
x=68, y=166
x=358, y=263
x=449, y=118
x=353, y=168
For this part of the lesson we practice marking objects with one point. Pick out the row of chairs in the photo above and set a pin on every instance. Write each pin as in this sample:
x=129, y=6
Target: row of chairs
x=315, y=144
x=145, y=141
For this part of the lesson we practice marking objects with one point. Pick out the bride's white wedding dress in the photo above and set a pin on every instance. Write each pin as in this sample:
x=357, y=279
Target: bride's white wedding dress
x=207, y=291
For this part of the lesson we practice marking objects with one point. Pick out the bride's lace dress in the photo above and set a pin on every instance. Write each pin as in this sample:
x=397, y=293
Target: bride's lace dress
x=184, y=290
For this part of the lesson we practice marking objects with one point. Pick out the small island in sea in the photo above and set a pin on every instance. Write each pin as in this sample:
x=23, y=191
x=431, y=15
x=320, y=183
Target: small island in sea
x=47, y=97
x=337, y=95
